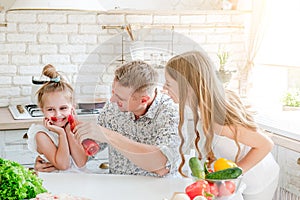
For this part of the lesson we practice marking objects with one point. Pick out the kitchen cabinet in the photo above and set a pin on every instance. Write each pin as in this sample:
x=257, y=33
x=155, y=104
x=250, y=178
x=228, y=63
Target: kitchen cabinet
x=289, y=179
x=14, y=147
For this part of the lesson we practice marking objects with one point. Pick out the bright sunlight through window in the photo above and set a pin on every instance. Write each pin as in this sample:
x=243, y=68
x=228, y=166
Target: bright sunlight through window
x=277, y=65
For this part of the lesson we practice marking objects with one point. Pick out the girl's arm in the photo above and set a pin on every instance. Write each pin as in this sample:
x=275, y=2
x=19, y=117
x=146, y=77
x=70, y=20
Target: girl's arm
x=59, y=156
x=77, y=152
x=260, y=145
x=42, y=165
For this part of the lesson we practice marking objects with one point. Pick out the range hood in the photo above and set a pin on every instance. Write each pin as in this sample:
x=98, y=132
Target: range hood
x=73, y=5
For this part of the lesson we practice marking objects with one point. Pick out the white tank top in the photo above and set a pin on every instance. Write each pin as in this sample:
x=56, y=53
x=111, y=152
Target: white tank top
x=31, y=142
x=259, y=176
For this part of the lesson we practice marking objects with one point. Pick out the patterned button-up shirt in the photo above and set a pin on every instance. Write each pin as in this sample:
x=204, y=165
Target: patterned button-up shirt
x=158, y=126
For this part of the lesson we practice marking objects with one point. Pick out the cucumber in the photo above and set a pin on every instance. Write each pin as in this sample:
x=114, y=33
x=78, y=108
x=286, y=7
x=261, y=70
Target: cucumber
x=196, y=168
x=229, y=173
x=205, y=168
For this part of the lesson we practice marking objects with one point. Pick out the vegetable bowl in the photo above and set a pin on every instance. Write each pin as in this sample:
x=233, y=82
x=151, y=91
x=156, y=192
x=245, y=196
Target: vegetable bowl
x=214, y=189
x=213, y=185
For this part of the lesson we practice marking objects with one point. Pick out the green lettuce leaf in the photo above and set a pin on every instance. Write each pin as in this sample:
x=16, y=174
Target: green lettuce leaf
x=18, y=182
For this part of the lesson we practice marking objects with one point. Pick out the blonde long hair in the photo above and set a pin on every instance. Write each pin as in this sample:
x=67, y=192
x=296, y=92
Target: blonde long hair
x=200, y=88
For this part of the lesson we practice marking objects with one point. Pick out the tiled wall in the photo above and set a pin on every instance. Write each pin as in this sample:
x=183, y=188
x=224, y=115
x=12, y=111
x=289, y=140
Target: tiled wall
x=78, y=45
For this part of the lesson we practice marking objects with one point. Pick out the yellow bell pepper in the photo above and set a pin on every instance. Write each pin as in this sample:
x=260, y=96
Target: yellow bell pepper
x=223, y=163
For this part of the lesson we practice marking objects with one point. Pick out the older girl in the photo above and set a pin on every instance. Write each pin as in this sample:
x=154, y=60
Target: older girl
x=227, y=126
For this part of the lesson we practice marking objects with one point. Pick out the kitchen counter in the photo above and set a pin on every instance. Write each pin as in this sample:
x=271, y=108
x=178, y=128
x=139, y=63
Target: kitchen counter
x=282, y=127
x=117, y=187
x=7, y=122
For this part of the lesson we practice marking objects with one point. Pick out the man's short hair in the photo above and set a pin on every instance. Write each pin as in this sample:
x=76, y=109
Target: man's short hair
x=137, y=75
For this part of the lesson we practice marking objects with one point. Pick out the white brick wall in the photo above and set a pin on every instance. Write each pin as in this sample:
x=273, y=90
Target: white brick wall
x=193, y=19
x=42, y=49
x=77, y=45
x=21, y=17
x=111, y=19
x=139, y=19
x=56, y=58
x=8, y=69
x=53, y=18
x=33, y=28
x=166, y=19
x=25, y=59
x=21, y=80
x=5, y=80
x=64, y=28
x=72, y=49
x=29, y=70
x=89, y=28
x=2, y=37
x=83, y=39
x=3, y=59
x=53, y=39
x=2, y=17
x=12, y=49
x=21, y=37
x=82, y=19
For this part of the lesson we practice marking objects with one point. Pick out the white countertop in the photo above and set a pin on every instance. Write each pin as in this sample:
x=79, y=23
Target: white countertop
x=116, y=187
x=285, y=123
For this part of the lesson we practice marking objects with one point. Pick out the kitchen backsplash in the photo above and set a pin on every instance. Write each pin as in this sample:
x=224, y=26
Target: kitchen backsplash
x=87, y=47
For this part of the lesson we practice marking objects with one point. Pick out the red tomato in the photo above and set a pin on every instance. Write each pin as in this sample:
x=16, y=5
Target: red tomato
x=198, y=188
x=223, y=190
x=213, y=188
x=227, y=188
x=230, y=186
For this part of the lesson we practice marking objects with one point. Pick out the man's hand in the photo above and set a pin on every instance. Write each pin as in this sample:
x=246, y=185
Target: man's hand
x=91, y=130
x=41, y=165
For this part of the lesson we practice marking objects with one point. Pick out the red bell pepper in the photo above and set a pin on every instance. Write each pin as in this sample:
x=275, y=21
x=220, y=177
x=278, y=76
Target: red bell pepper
x=72, y=121
x=90, y=146
x=198, y=188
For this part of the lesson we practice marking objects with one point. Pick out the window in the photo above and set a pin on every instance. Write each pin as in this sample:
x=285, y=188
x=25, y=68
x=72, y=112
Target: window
x=277, y=65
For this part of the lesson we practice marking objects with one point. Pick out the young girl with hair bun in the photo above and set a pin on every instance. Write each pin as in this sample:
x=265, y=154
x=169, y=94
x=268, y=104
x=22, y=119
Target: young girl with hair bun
x=53, y=140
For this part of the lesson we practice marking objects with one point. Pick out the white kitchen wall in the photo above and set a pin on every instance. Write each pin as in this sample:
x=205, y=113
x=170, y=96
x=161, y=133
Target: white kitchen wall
x=77, y=45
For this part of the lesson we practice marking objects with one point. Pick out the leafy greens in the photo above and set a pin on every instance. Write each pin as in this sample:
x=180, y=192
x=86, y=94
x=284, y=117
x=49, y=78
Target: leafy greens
x=18, y=182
